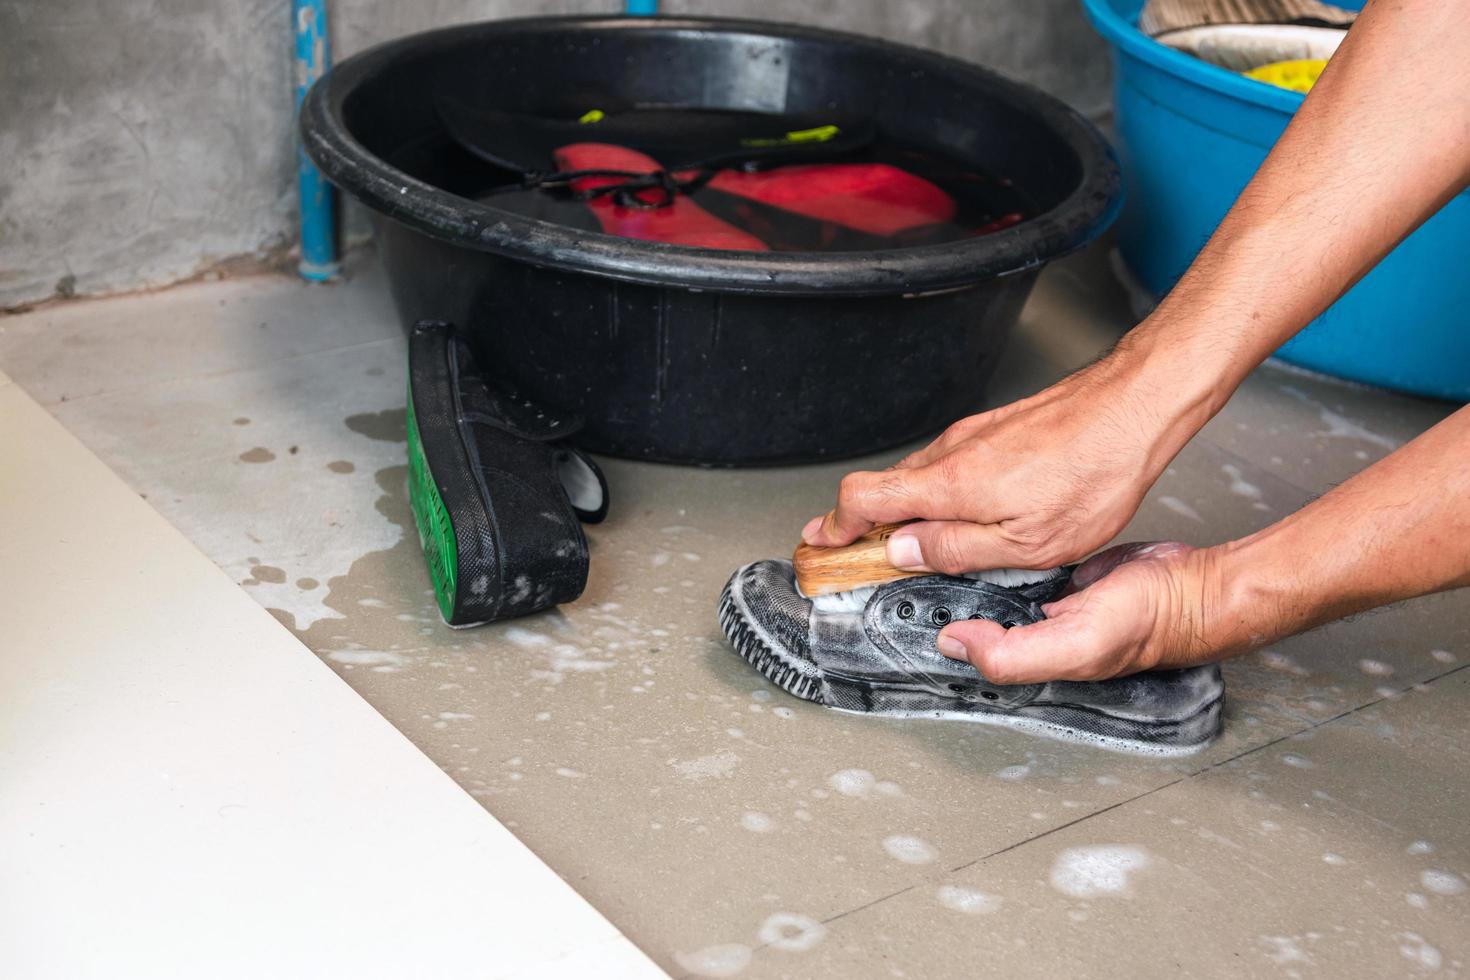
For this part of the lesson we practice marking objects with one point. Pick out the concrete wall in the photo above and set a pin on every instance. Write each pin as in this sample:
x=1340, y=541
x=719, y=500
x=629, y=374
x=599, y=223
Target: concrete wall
x=144, y=141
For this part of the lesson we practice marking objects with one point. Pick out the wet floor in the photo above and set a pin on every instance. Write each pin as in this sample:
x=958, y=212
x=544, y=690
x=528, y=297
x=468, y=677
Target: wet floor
x=731, y=830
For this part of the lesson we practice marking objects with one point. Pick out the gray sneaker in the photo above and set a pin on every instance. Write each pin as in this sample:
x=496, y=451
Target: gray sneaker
x=875, y=654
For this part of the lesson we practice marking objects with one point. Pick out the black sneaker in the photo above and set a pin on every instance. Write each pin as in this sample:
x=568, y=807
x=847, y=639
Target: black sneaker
x=873, y=652
x=498, y=494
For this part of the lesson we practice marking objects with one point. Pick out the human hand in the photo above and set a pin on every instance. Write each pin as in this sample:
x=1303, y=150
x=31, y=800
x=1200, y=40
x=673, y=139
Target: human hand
x=1035, y=484
x=1131, y=608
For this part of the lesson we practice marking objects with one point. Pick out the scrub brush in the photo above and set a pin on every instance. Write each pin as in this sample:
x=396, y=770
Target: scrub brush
x=846, y=577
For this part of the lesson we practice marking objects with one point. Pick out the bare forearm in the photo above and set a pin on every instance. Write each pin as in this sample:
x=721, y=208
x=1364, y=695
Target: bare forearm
x=1399, y=529
x=1373, y=152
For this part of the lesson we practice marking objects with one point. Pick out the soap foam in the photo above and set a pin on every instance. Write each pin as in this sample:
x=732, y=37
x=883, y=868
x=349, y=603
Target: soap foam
x=1442, y=882
x=716, y=961
x=909, y=850
x=1091, y=872
x=791, y=933
x=970, y=901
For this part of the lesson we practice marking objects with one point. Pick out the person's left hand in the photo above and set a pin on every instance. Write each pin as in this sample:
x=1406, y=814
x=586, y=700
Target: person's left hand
x=1130, y=608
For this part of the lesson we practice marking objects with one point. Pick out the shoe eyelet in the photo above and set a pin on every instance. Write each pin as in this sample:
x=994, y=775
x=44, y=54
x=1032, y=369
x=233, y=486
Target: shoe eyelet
x=1008, y=624
x=905, y=610
x=940, y=616
x=990, y=695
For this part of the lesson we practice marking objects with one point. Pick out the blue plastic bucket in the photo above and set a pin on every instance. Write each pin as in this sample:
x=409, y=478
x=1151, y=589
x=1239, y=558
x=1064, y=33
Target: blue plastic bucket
x=1191, y=136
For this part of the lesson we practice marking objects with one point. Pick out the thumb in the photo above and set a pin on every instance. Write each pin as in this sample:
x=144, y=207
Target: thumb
x=951, y=547
x=1043, y=651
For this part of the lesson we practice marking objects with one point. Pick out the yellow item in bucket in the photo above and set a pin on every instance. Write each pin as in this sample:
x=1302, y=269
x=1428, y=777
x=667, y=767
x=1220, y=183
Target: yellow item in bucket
x=1299, y=75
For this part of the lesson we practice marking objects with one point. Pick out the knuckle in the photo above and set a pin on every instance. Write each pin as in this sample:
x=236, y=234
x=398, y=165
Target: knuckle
x=1044, y=544
x=911, y=459
x=951, y=467
x=890, y=486
x=995, y=669
x=948, y=552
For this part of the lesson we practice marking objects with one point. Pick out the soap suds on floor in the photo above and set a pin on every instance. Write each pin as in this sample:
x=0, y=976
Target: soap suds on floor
x=791, y=933
x=852, y=782
x=725, y=960
x=718, y=765
x=1416, y=950
x=970, y=901
x=368, y=658
x=1340, y=426
x=1181, y=508
x=757, y=822
x=909, y=850
x=1094, y=872
x=1242, y=487
x=1282, y=662
x=1284, y=950
x=861, y=783
x=1442, y=882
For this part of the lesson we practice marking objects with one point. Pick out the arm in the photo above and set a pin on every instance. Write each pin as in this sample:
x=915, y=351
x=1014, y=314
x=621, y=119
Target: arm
x=1399, y=529
x=1374, y=150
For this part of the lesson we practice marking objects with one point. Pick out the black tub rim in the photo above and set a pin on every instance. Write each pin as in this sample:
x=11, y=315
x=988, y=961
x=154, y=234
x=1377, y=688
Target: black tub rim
x=1071, y=224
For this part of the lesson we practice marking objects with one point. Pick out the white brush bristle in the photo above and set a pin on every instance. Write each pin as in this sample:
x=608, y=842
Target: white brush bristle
x=853, y=600
x=1014, y=578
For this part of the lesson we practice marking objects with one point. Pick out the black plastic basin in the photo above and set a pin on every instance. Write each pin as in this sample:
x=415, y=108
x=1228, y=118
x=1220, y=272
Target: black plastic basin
x=694, y=355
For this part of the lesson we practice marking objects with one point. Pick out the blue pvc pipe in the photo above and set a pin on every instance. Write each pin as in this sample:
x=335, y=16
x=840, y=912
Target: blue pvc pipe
x=318, y=217
x=641, y=8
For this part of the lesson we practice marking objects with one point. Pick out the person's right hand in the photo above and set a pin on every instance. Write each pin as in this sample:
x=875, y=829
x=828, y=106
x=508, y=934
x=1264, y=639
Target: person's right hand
x=1035, y=484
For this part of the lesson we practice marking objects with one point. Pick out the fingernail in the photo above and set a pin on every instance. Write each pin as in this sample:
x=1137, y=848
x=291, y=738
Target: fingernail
x=811, y=529
x=903, y=552
x=952, y=648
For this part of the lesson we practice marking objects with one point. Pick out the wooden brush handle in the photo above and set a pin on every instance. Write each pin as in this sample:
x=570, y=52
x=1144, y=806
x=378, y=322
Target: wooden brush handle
x=821, y=571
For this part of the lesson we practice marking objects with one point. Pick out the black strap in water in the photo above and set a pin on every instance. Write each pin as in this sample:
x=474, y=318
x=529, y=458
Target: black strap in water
x=629, y=193
x=679, y=138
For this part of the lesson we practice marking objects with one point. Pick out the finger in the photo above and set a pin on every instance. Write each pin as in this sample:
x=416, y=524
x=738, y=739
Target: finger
x=865, y=499
x=1064, y=647
x=953, y=547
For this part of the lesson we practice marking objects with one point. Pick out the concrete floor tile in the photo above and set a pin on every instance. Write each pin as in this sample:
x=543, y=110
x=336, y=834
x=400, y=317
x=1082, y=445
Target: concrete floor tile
x=1339, y=853
x=89, y=347
x=1315, y=431
x=705, y=812
x=271, y=471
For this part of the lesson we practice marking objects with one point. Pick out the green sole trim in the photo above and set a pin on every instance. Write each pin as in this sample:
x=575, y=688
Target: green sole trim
x=436, y=531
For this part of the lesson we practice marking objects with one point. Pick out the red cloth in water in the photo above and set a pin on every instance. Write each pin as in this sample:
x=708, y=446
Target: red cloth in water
x=869, y=197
